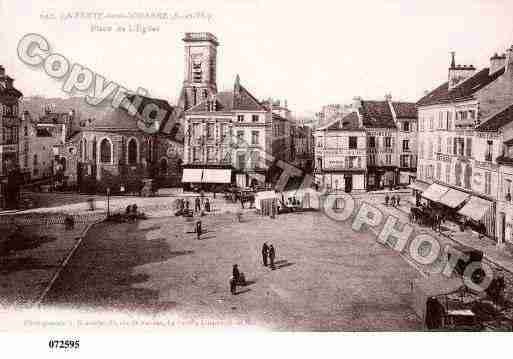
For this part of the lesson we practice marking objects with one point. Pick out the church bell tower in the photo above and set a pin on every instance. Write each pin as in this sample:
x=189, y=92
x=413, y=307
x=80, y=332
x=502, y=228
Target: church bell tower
x=200, y=68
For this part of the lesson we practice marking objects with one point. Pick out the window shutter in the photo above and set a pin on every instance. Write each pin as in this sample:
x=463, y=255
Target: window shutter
x=469, y=147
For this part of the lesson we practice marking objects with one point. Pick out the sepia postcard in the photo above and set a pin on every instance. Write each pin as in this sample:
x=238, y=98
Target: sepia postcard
x=255, y=166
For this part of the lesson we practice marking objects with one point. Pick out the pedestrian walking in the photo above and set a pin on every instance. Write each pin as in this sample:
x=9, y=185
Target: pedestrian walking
x=236, y=273
x=187, y=204
x=272, y=255
x=265, y=253
x=233, y=286
x=198, y=229
x=197, y=205
x=397, y=200
x=386, y=199
x=392, y=201
x=207, y=205
x=242, y=201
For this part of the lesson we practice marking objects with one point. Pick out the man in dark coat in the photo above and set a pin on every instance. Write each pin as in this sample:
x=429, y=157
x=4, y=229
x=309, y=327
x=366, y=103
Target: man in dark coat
x=272, y=255
x=198, y=229
x=197, y=204
x=233, y=286
x=207, y=205
x=236, y=273
x=265, y=252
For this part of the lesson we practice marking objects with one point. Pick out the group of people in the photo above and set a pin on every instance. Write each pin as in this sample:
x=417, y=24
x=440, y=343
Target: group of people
x=238, y=278
x=268, y=255
x=200, y=204
x=131, y=211
x=393, y=200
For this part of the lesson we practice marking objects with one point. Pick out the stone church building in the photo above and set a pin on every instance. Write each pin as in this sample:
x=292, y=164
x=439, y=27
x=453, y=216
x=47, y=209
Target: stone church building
x=110, y=149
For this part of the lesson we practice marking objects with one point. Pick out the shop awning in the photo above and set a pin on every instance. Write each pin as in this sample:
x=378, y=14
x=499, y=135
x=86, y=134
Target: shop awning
x=217, y=176
x=418, y=186
x=434, y=192
x=475, y=208
x=453, y=198
x=192, y=175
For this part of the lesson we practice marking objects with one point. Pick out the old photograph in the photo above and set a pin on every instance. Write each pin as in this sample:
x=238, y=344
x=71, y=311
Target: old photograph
x=256, y=165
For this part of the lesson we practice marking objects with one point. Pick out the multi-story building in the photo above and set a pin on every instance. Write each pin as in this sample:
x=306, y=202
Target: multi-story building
x=40, y=139
x=302, y=148
x=341, y=154
x=232, y=132
x=460, y=139
x=387, y=156
x=10, y=122
x=229, y=135
x=391, y=143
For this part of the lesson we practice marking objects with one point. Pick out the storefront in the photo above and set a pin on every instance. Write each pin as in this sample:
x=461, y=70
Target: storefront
x=418, y=187
x=207, y=178
x=481, y=213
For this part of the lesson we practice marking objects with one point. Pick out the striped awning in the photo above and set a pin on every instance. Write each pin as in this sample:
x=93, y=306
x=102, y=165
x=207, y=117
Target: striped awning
x=434, y=192
x=475, y=208
x=418, y=186
x=453, y=198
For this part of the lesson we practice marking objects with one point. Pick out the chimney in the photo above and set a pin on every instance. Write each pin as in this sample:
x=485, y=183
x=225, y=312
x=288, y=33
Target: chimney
x=459, y=73
x=388, y=97
x=497, y=62
x=509, y=59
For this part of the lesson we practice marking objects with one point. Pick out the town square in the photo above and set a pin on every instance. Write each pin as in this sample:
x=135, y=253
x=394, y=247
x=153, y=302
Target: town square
x=241, y=181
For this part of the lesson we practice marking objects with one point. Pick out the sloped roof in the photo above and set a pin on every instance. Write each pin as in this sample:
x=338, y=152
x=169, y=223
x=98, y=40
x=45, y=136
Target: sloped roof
x=227, y=101
x=349, y=122
x=497, y=120
x=405, y=109
x=376, y=114
x=463, y=91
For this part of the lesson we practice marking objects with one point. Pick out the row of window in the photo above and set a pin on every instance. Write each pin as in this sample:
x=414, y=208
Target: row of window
x=459, y=146
x=106, y=150
x=432, y=172
x=444, y=120
x=211, y=157
x=9, y=110
x=254, y=118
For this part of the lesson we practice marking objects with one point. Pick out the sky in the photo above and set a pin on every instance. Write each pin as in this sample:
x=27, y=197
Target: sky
x=311, y=53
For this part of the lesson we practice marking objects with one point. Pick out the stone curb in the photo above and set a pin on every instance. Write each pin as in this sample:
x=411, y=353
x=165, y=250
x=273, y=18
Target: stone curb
x=65, y=262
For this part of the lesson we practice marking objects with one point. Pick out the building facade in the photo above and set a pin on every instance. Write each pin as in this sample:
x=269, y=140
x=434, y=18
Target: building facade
x=40, y=139
x=460, y=140
x=229, y=135
x=341, y=155
x=391, y=141
x=111, y=150
x=10, y=122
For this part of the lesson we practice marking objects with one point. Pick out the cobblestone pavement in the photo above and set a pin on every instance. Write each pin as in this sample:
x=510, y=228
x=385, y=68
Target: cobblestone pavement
x=327, y=278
